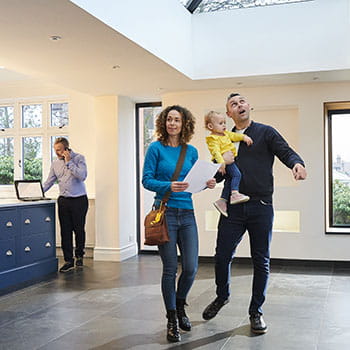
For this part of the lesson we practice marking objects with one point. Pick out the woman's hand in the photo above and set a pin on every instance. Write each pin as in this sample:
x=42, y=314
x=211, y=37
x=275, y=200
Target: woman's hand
x=222, y=169
x=179, y=186
x=211, y=183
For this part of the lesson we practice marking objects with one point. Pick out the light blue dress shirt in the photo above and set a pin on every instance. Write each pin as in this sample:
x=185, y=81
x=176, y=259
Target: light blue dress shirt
x=70, y=176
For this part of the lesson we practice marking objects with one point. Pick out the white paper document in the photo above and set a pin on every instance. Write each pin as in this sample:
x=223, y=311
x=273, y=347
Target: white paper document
x=200, y=173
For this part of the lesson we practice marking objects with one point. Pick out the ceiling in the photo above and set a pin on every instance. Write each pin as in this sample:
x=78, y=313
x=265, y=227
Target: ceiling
x=93, y=58
x=199, y=6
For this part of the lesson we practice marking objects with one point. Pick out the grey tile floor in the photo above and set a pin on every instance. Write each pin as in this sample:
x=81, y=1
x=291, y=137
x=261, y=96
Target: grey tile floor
x=118, y=306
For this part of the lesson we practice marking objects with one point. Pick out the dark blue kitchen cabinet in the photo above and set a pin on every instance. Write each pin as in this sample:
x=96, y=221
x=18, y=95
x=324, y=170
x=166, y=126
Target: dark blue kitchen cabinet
x=27, y=242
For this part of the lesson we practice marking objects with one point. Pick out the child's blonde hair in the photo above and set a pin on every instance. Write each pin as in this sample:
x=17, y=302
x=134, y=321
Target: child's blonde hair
x=209, y=117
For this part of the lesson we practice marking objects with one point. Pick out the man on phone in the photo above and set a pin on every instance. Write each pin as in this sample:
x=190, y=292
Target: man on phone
x=69, y=170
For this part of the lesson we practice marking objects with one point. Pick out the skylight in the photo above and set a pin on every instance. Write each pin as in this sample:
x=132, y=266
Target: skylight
x=218, y=5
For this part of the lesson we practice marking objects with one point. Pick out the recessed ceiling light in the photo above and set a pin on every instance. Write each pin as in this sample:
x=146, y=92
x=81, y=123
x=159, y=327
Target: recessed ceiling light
x=2, y=67
x=55, y=37
x=116, y=66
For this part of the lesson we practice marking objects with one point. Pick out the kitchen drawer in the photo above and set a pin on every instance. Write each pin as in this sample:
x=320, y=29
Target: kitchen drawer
x=39, y=219
x=7, y=254
x=8, y=223
x=36, y=247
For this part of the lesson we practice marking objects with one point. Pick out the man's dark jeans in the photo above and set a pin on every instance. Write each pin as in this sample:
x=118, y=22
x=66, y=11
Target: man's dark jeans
x=255, y=216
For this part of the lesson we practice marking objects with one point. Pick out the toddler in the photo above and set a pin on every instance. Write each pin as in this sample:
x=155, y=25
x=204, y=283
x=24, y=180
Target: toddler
x=219, y=142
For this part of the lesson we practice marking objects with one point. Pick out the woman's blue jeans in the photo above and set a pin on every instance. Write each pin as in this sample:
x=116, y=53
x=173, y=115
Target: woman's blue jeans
x=182, y=229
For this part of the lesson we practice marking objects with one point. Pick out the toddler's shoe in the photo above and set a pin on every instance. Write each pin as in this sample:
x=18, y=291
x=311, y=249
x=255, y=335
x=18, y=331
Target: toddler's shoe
x=221, y=206
x=237, y=197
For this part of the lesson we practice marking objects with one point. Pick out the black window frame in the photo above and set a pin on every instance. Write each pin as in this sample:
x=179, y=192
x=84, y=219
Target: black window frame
x=139, y=220
x=330, y=110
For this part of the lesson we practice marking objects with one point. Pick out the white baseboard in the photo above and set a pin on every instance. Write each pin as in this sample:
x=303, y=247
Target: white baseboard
x=89, y=252
x=115, y=254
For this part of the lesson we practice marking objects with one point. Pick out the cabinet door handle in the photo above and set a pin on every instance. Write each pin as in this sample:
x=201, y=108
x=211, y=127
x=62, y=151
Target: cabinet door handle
x=9, y=253
x=27, y=221
x=9, y=224
x=27, y=249
x=48, y=245
x=47, y=219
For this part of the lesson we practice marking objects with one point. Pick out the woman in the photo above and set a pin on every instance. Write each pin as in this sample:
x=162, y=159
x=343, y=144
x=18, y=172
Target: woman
x=174, y=128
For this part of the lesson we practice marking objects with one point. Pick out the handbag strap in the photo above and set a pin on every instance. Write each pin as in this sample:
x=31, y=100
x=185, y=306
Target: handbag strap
x=177, y=171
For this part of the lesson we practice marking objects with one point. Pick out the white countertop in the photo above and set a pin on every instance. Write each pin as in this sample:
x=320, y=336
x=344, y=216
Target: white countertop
x=11, y=202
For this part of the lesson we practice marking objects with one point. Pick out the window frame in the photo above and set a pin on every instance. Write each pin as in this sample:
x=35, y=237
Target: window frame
x=332, y=108
x=139, y=139
x=46, y=131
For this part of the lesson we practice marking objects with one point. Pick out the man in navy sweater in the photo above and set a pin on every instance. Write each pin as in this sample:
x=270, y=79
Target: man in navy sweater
x=256, y=216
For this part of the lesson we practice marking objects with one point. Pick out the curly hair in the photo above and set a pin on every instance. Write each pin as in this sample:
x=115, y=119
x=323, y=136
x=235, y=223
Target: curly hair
x=188, y=122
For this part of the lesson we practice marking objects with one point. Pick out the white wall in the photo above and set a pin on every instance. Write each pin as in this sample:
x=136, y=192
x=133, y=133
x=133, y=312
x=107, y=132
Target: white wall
x=115, y=179
x=127, y=174
x=296, y=37
x=162, y=27
x=105, y=135
x=306, y=133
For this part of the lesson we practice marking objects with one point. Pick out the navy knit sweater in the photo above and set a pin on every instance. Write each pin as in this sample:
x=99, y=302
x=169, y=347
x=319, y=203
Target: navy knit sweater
x=255, y=162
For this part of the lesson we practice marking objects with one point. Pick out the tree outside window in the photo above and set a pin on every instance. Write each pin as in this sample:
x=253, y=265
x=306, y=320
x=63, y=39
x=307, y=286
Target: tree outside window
x=6, y=161
x=59, y=114
x=146, y=114
x=32, y=116
x=149, y=115
x=32, y=158
x=6, y=117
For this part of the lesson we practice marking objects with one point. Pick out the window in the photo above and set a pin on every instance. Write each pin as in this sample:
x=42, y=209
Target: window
x=6, y=117
x=338, y=169
x=32, y=157
x=32, y=116
x=59, y=114
x=6, y=160
x=146, y=114
x=27, y=133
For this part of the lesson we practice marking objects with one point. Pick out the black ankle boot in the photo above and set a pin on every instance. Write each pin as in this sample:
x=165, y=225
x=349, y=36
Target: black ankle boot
x=173, y=334
x=184, y=322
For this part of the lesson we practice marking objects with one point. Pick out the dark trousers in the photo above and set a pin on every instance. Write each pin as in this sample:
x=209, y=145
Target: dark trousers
x=72, y=213
x=232, y=180
x=257, y=218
